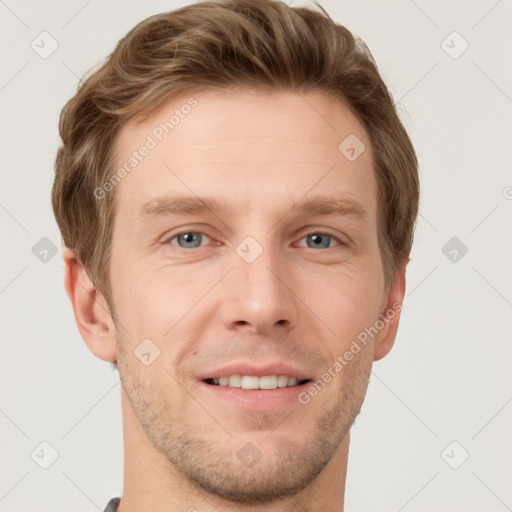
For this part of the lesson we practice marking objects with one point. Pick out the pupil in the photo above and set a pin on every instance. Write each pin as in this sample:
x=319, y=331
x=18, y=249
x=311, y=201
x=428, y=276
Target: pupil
x=188, y=238
x=317, y=240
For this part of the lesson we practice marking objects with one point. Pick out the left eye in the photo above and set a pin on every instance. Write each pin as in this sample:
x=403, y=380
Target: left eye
x=315, y=240
x=321, y=240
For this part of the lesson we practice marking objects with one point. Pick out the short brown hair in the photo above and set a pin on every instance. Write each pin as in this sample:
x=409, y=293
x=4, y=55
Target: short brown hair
x=256, y=44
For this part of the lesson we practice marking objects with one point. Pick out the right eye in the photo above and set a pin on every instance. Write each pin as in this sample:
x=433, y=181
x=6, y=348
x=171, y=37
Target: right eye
x=187, y=239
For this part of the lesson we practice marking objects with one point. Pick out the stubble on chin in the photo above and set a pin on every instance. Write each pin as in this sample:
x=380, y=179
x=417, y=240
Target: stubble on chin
x=206, y=455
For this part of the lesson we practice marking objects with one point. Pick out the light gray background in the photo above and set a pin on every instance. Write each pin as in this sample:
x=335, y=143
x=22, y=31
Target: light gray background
x=448, y=376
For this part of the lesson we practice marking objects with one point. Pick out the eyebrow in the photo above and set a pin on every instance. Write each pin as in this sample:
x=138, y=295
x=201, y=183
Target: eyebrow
x=188, y=205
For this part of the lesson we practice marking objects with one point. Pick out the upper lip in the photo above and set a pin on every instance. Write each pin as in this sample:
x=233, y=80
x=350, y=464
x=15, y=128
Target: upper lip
x=257, y=370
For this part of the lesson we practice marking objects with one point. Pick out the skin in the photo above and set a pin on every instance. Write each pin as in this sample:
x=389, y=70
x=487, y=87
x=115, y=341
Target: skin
x=203, y=305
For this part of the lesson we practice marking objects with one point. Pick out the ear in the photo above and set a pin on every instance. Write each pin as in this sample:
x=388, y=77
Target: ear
x=92, y=314
x=390, y=315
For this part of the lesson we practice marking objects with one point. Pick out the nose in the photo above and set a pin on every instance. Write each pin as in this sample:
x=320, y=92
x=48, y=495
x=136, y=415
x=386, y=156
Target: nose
x=257, y=295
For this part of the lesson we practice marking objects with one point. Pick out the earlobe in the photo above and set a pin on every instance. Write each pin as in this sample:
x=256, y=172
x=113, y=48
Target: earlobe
x=91, y=312
x=390, y=317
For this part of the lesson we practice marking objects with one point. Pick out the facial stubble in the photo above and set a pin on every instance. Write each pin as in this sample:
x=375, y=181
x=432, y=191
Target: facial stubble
x=182, y=433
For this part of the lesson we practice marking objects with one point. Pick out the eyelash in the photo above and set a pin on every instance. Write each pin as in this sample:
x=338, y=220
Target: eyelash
x=327, y=233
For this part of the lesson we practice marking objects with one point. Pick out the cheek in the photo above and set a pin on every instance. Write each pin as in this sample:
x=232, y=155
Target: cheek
x=347, y=303
x=156, y=300
x=139, y=297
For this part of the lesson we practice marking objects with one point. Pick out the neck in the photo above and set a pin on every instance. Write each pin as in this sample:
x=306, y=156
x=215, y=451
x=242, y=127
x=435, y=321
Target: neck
x=151, y=482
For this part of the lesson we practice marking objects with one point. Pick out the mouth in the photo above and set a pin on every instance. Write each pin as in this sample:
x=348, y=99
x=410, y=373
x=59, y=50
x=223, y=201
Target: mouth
x=265, y=382
x=255, y=385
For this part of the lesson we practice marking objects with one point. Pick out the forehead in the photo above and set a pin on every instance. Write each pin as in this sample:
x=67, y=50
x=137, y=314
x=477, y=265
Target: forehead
x=246, y=147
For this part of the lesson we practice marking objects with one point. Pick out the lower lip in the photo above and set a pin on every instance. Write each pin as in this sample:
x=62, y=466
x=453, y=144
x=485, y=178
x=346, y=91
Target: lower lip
x=255, y=399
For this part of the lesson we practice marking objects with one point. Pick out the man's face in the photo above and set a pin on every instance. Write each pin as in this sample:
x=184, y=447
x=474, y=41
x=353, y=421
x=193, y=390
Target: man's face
x=257, y=287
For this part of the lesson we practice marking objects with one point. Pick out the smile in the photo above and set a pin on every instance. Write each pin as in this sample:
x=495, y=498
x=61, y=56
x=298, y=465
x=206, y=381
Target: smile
x=254, y=382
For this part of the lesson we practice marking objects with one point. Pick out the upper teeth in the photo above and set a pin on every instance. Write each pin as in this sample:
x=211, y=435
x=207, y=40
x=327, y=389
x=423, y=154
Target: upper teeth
x=253, y=382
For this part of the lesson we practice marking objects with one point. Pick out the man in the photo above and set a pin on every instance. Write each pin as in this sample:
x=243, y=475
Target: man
x=237, y=199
